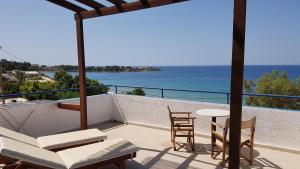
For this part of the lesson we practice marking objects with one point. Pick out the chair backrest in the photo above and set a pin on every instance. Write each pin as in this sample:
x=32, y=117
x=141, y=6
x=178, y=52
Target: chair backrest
x=249, y=124
x=170, y=113
x=227, y=122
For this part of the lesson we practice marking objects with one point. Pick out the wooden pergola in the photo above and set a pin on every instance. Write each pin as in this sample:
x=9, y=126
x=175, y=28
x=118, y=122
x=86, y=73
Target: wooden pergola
x=96, y=9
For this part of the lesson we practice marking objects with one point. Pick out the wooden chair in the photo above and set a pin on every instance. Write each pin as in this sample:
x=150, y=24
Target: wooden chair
x=222, y=137
x=249, y=135
x=182, y=125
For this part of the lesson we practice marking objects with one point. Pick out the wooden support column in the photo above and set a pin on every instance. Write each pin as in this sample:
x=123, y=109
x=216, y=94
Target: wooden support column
x=237, y=78
x=1, y=85
x=82, y=78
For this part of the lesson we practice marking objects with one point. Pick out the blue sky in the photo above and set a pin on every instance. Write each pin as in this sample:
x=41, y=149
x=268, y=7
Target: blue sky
x=198, y=32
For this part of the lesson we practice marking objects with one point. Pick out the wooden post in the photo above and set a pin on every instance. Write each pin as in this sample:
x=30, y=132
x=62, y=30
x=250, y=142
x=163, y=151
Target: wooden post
x=1, y=85
x=237, y=78
x=82, y=78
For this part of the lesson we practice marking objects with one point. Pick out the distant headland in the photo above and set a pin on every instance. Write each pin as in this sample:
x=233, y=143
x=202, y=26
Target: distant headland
x=26, y=66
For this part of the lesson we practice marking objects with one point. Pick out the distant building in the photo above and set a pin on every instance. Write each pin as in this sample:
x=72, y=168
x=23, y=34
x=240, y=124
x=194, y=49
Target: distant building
x=29, y=74
x=9, y=77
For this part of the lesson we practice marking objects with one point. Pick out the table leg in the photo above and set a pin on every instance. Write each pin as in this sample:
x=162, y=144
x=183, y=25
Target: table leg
x=214, y=119
x=213, y=138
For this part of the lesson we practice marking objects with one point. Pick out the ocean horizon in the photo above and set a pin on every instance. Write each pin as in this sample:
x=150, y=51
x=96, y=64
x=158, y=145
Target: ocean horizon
x=203, y=78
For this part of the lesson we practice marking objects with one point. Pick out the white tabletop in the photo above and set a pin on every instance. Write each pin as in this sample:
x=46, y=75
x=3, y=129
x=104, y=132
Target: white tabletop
x=213, y=112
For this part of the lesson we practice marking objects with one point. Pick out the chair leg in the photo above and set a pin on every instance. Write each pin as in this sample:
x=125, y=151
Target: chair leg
x=171, y=133
x=223, y=155
x=174, y=145
x=251, y=155
x=193, y=142
x=212, y=146
x=188, y=138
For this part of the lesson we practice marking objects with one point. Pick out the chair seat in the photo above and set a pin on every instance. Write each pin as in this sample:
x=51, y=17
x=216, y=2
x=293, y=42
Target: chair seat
x=183, y=129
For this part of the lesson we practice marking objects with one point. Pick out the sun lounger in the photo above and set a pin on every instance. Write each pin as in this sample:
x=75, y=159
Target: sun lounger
x=58, y=141
x=15, y=154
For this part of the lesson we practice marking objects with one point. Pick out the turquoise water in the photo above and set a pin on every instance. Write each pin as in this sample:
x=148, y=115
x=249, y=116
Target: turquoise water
x=211, y=78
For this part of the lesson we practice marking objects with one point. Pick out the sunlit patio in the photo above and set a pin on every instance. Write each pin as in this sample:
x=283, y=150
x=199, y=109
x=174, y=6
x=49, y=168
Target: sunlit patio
x=144, y=121
x=156, y=151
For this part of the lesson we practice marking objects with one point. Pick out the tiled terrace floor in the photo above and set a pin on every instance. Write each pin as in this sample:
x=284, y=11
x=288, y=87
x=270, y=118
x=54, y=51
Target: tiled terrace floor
x=156, y=151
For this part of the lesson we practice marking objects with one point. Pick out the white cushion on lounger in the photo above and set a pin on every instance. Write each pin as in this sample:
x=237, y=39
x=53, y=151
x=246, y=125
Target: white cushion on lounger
x=71, y=138
x=97, y=152
x=18, y=136
x=25, y=152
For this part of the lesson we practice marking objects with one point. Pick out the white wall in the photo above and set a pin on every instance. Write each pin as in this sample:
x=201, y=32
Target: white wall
x=279, y=128
x=43, y=117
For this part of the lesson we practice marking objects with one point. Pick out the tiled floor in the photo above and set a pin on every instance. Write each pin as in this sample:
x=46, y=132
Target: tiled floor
x=156, y=151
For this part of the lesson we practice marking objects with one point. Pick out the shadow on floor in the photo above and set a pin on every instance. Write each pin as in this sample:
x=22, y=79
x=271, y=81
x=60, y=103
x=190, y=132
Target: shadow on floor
x=259, y=163
x=157, y=161
x=107, y=126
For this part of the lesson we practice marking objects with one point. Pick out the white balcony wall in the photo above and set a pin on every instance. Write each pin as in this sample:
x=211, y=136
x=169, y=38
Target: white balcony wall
x=274, y=127
x=40, y=118
x=277, y=128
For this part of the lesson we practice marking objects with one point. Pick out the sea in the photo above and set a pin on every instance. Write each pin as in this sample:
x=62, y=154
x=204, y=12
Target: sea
x=199, y=78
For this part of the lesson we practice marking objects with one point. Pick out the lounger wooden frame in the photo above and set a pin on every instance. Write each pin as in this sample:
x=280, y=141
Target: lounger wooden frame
x=73, y=146
x=11, y=163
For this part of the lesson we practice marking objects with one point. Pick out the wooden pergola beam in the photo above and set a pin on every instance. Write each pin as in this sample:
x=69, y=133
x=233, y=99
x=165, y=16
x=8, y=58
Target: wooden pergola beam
x=145, y=3
x=82, y=73
x=99, y=10
x=68, y=5
x=117, y=2
x=67, y=106
x=1, y=85
x=237, y=78
x=91, y=3
x=126, y=7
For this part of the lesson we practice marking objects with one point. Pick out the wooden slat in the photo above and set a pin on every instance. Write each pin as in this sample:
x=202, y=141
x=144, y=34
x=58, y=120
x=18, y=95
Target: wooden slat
x=237, y=78
x=66, y=106
x=1, y=85
x=117, y=2
x=91, y=3
x=145, y=3
x=68, y=5
x=126, y=7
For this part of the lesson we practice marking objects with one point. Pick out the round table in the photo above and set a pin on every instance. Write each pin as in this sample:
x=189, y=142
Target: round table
x=214, y=113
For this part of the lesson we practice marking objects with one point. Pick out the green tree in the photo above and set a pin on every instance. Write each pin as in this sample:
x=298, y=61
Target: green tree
x=11, y=87
x=35, y=86
x=21, y=77
x=94, y=87
x=275, y=83
x=137, y=91
x=64, y=80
